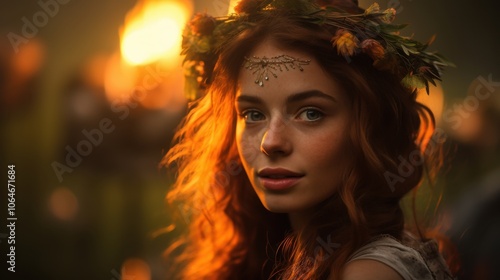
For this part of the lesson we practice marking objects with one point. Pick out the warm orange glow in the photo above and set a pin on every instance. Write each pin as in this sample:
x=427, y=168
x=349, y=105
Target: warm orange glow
x=232, y=4
x=29, y=59
x=63, y=204
x=136, y=269
x=153, y=31
x=169, y=94
x=434, y=100
x=154, y=86
x=471, y=129
x=94, y=70
x=120, y=79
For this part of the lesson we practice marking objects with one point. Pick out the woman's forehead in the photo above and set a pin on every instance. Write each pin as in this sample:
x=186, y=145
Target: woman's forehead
x=270, y=47
x=268, y=62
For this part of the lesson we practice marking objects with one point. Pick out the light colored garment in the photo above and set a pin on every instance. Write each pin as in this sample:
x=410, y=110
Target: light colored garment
x=413, y=260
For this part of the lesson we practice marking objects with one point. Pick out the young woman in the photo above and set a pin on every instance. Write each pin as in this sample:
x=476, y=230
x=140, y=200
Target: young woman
x=289, y=165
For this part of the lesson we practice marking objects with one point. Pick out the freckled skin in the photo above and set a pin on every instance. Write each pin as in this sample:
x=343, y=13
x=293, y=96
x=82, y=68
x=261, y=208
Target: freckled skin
x=277, y=133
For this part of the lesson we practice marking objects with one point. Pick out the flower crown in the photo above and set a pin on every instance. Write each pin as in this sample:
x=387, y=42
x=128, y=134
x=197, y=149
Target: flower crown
x=370, y=32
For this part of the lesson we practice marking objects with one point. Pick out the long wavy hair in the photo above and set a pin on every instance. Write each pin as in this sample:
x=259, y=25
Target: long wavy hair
x=230, y=235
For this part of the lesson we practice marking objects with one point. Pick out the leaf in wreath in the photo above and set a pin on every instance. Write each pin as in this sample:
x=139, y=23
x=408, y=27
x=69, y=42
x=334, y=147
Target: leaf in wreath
x=413, y=81
x=389, y=15
x=390, y=28
x=202, y=45
x=432, y=74
x=442, y=59
x=431, y=40
x=427, y=90
x=405, y=50
x=431, y=80
x=374, y=8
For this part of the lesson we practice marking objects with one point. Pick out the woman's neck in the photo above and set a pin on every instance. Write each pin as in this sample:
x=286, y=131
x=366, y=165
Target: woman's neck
x=298, y=220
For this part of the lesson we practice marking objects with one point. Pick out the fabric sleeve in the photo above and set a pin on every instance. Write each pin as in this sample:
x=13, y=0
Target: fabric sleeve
x=403, y=259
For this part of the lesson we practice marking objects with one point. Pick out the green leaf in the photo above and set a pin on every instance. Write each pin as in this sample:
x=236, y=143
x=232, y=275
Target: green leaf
x=414, y=81
x=390, y=28
x=405, y=50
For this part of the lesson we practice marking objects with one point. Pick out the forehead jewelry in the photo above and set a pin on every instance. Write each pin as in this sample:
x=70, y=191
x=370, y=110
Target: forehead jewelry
x=265, y=66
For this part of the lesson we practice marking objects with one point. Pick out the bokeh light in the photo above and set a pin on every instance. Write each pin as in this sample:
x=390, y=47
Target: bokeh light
x=63, y=204
x=29, y=59
x=119, y=79
x=232, y=4
x=136, y=269
x=153, y=31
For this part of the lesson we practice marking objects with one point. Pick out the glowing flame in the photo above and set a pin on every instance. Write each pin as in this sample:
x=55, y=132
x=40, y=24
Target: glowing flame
x=232, y=4
x=153, y=31
x=119, y=79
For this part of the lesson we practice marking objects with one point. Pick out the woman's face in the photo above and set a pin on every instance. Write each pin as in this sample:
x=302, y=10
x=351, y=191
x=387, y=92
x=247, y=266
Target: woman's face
x=292, y=133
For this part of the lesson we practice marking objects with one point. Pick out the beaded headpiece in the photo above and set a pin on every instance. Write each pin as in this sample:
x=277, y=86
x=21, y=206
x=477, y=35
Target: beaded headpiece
x=353, y=31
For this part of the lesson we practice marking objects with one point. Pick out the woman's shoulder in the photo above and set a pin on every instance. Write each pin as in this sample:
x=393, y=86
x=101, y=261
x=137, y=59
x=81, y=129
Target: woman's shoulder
x=369, y=270
x=410, y=258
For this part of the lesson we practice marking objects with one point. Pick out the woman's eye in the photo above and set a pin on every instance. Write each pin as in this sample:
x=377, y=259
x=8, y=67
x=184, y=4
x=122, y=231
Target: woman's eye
x=252, y=116
x=310, y=115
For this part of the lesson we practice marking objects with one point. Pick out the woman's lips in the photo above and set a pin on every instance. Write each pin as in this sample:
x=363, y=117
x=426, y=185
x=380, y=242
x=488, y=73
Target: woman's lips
x=278, y=179
x=278, y=184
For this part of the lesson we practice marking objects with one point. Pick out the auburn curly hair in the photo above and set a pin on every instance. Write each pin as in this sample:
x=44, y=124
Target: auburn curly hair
x=230, y=234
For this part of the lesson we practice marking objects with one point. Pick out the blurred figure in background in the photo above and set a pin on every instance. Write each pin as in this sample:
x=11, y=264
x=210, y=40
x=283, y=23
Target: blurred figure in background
x=474, y=125
x=108, y=156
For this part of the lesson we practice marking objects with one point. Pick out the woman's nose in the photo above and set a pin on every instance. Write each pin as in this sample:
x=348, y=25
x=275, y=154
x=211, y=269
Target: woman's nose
x=276, y=141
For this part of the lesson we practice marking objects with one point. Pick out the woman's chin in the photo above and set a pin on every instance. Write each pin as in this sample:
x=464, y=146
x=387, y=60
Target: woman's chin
x=281, y=207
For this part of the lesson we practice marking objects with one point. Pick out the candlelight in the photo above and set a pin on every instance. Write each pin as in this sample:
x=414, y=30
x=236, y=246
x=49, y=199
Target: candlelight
x=153, y=31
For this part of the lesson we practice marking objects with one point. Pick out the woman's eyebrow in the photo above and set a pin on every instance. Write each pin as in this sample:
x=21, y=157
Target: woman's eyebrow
x=300, y=96
x=249, y=99
x=294, y=98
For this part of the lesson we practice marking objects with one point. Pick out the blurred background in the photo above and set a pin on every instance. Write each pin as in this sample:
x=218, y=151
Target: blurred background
x=91, y=94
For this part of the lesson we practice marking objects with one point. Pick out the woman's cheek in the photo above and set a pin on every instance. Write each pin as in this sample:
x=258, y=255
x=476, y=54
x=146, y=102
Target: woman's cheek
x=248, y=146
x=327, y=150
